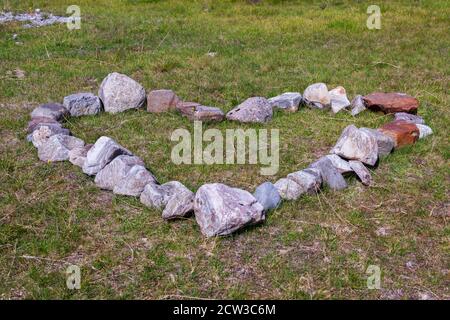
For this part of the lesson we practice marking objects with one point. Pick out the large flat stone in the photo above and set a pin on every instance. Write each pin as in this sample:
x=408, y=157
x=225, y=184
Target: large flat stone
x=391, y=102
x=196, y=112
x=221, y=210
x=256, y=109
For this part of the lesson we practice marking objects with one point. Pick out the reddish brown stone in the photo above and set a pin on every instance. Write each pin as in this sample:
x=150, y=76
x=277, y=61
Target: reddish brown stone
x=162, y=100
x=391, y=102
x=402, y=132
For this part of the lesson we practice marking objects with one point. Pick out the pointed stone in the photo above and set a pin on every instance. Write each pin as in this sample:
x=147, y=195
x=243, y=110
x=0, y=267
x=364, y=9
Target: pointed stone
x=115, y=171
x=355, y=144
x=102, y=152
x=134, y=182
x=340, y=164
x=385, y=143
x=179, y=205
x=357, y=105
x=119, y=92
x=330, y=175
x=317, y=96
x=424, y=131
x=409, y=117
x=339, y=100
x=362, y=172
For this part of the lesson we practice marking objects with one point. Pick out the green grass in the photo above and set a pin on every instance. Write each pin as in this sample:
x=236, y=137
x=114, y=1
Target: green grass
x=313, y=248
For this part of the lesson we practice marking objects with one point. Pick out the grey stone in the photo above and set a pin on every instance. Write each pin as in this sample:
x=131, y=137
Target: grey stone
x=424, y=131
x=385, y=143
x=119, y=92
x=180, y=204
x=268, y=196
x=157, y=196
x=77, y=155
x=81, y=104
x=57, y=147
x=357, y=105
x=408, y=117
x=317, y=96
x=288, y=101
x=330, y=175
x=256, y=109
x=361, y=171
x=222, y=210
x=355, y=144
x=339, y=100
x=36, y=19
x=53, y=111
x=102, y=152
x=37, y=122
x=340, y=164
x=134, y=182
x=115, y=171
x=308, y=181
x=194, y=111
x=44, y=132
x=289, y=189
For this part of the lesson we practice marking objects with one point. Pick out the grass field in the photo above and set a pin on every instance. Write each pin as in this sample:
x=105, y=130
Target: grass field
x=319, y=247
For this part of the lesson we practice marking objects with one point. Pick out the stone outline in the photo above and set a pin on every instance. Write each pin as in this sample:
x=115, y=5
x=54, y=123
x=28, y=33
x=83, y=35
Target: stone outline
x=287, y=187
